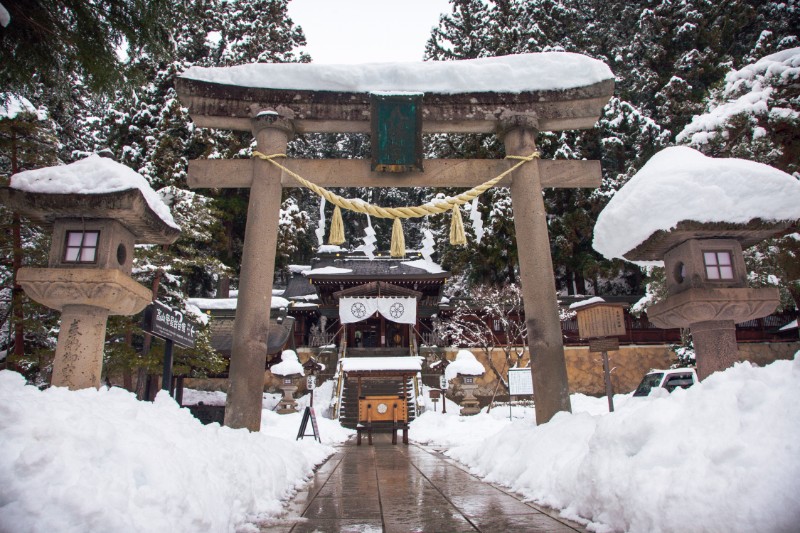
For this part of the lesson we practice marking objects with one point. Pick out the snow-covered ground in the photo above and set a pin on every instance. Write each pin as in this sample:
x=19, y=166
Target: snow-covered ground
x=719, y=456
x=99, y=460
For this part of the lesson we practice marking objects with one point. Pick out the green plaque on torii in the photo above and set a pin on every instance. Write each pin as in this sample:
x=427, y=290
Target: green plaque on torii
x=396, y=131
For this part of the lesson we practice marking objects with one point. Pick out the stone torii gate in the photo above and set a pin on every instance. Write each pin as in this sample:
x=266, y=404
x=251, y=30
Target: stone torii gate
x=227, y=98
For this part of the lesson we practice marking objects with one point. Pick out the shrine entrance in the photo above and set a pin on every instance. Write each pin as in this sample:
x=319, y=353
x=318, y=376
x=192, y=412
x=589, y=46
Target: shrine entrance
x=513, y=97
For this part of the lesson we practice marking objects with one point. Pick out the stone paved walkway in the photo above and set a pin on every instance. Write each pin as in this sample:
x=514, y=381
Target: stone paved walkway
x=407, y=488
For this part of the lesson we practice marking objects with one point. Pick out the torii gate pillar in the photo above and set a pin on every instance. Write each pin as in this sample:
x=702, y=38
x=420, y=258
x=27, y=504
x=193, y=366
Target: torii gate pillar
x=550, y=385
x=255, y=283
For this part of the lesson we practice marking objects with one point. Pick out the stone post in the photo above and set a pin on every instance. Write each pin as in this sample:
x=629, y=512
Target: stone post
x=78, y=362
x=249, y=350
x=715, y=346
x=550, y=386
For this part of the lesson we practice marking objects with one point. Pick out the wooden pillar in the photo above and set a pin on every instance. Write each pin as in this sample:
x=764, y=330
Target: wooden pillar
x=551, y=390
x=249, y=350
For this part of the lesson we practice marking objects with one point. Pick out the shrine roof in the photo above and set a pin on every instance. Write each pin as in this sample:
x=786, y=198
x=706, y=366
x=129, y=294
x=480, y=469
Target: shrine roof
x=561, y=90
x=380, y=268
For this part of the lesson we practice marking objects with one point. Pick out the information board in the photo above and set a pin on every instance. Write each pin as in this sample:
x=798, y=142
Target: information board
x=167, y=323
x=601, y=320
x=520, y=382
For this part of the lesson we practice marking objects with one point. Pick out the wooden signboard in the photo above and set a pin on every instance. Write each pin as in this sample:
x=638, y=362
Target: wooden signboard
x=601, y=320
x=610, y=344
x=435, y=394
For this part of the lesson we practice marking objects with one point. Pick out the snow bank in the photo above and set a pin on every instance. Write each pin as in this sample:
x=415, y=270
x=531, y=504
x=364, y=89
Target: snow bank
x=680, y=183
x=507, y=74
x=720, y=456
x=92, y=175
x=464, y=364
x=94, y=460
x=288, y=366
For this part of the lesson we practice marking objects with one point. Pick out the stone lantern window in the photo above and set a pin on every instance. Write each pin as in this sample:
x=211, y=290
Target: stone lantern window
x=718, y=265
x=81, y=246
x=92, y=243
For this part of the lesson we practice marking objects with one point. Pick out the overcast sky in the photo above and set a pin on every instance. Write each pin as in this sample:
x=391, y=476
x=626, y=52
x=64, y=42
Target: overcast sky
x=366, y=31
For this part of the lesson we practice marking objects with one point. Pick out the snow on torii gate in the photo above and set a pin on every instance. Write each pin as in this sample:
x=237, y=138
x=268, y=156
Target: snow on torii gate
x=512, y=96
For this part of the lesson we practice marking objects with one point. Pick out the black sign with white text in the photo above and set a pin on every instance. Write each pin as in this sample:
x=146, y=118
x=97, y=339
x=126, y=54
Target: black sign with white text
x=163, y=321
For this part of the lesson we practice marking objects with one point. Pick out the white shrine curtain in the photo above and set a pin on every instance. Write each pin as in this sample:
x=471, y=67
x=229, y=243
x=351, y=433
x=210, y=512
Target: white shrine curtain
x=401, y=310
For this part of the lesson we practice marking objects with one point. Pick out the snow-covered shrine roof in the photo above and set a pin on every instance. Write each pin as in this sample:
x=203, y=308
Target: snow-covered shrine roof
x=559, y=90
x=382, y=364
x=680, y=193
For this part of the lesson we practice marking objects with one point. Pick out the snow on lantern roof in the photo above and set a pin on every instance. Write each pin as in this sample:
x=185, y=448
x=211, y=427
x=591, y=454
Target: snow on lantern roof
x=505, y=74
x=377, y=364
x=680, y=187
x=464, y=364
x=93, y=175
x=288, y=366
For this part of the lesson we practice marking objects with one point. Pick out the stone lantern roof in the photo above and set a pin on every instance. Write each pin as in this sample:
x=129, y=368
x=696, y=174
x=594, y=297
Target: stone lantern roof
x=681, y=195
x=128, y=207
x=654, y=247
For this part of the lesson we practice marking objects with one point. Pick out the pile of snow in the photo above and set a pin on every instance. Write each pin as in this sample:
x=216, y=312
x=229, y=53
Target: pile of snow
x=92, y=175
x=464, y=364
x=12, y=106
x=277, y=302
x=680, y=183
x=99, y=460
x=425, y=264
x=719, y=456
x=289, y=364
x=584, y=303
x=507, y=74
x=326, y=270
x=366, y=364
x=749, y=92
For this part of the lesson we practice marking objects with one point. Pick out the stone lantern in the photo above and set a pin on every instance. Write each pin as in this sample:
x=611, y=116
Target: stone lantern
x=289, y=371
x=469, y=404
x=697, y=214
x=707, y=285
x=88, y=274
x=465, y=368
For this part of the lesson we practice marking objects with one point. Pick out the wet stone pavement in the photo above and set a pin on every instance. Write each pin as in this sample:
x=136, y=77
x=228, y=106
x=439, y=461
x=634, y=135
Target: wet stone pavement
x=386, y=488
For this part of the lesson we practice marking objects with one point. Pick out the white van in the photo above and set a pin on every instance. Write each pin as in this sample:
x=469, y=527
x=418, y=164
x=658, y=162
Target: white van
x=669, y=379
